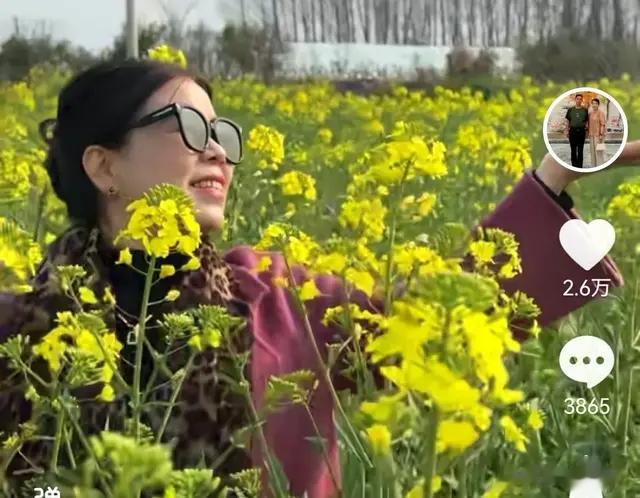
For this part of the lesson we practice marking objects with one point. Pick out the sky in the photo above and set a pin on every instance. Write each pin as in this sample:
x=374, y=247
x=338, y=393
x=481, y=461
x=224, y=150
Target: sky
x=94, y=23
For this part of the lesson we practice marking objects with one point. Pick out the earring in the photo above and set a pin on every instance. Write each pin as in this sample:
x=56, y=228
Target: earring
x=112, y=190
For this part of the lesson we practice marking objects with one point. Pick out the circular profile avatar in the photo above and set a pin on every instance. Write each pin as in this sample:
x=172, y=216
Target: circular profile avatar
x=585, y=129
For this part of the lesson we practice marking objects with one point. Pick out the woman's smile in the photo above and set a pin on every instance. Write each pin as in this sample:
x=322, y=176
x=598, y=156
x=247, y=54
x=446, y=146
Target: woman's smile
x=212, y=191
x=210, y=187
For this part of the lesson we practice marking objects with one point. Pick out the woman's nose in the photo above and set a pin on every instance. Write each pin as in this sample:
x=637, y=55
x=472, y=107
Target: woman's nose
x=215, y=152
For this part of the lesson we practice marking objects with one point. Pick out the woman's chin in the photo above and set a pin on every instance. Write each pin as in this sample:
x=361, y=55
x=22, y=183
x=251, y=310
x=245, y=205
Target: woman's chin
x=210, y=218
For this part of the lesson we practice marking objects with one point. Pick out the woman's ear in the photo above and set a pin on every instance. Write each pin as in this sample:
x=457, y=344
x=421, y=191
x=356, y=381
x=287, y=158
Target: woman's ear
x=99, y=165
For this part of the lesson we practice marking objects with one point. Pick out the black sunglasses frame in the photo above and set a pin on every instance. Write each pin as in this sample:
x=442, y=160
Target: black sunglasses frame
x=175, y=109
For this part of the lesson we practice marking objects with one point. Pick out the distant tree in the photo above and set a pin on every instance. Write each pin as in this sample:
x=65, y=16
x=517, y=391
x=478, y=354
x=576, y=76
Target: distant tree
x=149, y=35
x=176, y=23
x=576, y=56
x=21, y=51
x=248, y=49
x=199, y=46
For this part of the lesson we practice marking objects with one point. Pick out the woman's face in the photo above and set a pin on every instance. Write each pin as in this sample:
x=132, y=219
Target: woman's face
x=157, y=154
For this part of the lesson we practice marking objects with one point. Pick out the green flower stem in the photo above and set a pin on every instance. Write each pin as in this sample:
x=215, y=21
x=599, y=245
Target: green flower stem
x=58, y=440
x=158, y=361
x=154, y=373
x=627, y=413
x=27, y=369
x=462, y=479
x=233, y=210
x=13, y=451
x=361, y=363
x=67, y=443
x=392, y=239
x=277, y=486
x=137, y=405
x=42, y=202
x=430, y=458
x=360, y=359
x=325, y=453
x=172, y=401
x=274, y=475
x=86, y=445
x=323, y=368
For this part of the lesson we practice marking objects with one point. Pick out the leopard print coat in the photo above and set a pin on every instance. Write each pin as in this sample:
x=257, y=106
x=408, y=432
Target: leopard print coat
x=208, y=411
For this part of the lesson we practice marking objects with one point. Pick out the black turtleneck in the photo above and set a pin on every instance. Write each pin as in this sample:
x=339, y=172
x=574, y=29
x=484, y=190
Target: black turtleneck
x=563, y=199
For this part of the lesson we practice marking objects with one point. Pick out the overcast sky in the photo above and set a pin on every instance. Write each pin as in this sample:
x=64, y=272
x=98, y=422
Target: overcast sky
x=94, y=23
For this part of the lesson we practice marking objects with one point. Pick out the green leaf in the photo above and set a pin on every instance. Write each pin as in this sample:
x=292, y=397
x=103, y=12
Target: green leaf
x=196, y=483
x=291, y=388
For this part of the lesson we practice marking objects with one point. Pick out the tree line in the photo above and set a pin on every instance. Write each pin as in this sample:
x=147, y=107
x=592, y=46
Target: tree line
x=485, y=23
x=557, y=39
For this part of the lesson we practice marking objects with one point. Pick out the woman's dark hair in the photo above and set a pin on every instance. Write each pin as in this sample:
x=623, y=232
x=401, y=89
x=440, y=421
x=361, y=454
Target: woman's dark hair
x=96, y=107
x=596, y=100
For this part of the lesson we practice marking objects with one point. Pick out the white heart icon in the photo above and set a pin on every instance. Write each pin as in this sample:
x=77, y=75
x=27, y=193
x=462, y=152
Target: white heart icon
x=586, y=243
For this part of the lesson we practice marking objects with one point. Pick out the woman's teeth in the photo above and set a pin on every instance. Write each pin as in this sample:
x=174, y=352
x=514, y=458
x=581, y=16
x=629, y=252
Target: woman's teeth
x=208, y=184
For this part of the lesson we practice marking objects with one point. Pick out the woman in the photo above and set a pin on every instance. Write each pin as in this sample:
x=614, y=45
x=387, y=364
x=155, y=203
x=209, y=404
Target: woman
x=596, y=129
x=110, y=144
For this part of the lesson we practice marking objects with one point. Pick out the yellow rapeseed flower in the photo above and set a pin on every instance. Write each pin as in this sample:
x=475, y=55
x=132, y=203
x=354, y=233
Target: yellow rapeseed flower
x=209, y=337
x=172, y=295
x=52, y=348
x=273, y=235
x=482, y=251
x=496, y=489
x=379, y=439
x=309, y=290
x=455, y=436
x=124, y=257
x=513, y=434
x=87, y=296
x=165, y=53
x=107, y=394
x=333, y=262
x=263, y=264
x=192, y=264
x=535, y=419
x=167, y=271
x=300, y=249
x=365, y=215
x=298, y=183
x=325, y=135
x=417, y=491
x=19, y=257
x=361, y=279
x=626, y=202
x=162, y=221
x=425, y=203
x=448, y=390
x=72, y=335
x=268, y=144
x=384, y=409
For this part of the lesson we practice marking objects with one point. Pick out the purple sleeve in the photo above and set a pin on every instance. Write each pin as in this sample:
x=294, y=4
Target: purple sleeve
x=535, y=219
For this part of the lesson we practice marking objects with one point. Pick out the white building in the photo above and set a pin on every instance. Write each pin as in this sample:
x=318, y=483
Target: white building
x=346, y=60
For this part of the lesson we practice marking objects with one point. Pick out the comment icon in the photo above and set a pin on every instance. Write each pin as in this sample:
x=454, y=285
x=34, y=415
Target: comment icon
x=587, y=359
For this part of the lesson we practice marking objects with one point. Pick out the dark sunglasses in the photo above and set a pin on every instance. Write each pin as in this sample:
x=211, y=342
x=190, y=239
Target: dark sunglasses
x=196, y=130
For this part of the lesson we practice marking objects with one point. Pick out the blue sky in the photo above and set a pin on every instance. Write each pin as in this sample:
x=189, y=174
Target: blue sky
x=94, y=23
